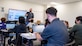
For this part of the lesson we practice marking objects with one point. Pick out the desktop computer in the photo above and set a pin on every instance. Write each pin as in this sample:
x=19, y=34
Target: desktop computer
x=10, y=24
x=38, y=28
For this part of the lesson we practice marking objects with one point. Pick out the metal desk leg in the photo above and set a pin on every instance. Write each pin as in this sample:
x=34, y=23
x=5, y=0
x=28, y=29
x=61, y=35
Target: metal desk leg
x=4, y=41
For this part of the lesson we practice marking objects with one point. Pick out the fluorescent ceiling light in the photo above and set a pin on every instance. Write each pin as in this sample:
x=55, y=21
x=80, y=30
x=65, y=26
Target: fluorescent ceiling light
x=54, y=3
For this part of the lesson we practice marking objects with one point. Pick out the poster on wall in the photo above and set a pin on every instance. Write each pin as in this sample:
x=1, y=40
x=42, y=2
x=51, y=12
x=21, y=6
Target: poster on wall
x=2, y=9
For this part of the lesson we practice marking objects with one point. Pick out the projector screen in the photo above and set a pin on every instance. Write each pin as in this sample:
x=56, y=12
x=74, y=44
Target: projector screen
x=14, y=14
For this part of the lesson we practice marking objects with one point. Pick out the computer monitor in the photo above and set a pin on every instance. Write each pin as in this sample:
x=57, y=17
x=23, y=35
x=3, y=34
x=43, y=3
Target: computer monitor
x=14, y=14
x=10, y=26
x=38, y=28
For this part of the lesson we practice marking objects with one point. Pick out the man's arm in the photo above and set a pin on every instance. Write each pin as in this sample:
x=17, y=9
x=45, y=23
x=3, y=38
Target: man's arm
x=38, y=36
x=45, y=34
x=74, y=28
x=31, y=19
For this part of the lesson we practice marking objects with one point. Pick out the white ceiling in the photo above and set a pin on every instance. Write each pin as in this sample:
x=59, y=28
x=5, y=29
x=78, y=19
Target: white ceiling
x=44, y=2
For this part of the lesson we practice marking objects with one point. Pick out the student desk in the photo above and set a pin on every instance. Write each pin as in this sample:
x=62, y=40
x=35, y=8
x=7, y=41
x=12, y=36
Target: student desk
x=30, y=37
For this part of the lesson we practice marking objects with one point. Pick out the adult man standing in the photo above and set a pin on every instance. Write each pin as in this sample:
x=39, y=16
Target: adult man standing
x=56, y=32
x=29, y=16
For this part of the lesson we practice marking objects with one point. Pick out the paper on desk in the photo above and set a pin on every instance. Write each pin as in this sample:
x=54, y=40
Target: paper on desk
x=28, y=35
x=4, y=30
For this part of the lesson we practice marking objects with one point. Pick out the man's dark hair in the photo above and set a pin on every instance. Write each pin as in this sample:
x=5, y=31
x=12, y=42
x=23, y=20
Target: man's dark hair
x=21, y=20
x=52, y=11
x=79, y=18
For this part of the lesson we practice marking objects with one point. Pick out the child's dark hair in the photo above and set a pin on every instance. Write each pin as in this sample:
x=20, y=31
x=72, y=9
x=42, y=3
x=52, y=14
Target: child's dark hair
x=21, y=20
x=3, y=19
x=46, y=22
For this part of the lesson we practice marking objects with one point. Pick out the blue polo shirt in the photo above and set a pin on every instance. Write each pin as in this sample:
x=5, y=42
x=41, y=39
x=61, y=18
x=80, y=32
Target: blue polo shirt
x=55, y=33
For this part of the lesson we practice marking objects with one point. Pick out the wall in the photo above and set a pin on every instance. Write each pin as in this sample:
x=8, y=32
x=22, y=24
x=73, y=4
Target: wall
x=65, y=11
x=38, y=10
x=69, y=11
